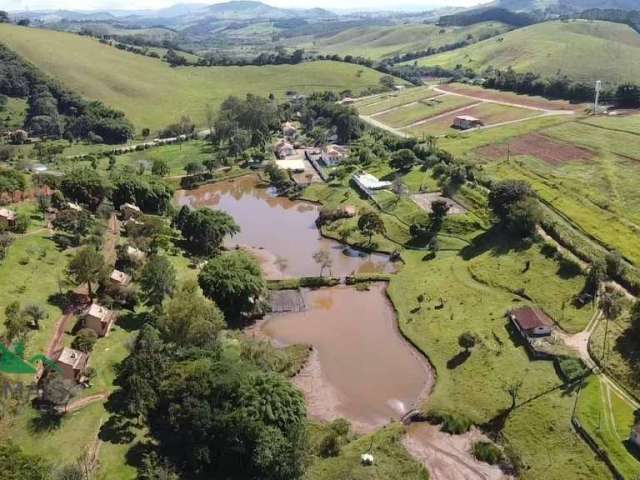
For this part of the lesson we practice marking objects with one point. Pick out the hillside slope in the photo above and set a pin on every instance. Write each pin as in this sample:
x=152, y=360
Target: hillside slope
x=582, y=50
x=150, y=92
x=378, y=42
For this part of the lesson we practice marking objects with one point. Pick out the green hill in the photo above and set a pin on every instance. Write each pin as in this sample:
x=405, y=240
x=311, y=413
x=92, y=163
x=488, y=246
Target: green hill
x=151, y=93
x=580, y=49
x=378, y=42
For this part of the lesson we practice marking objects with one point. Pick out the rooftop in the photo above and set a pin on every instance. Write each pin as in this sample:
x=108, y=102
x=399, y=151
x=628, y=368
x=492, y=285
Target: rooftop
x=295, y=164
x=366, y=180
x=71, y=357
x=529, y=318
x=8, y=214
x=131, y=206
x=468, y=118
x=120, y=277
x=97, y=311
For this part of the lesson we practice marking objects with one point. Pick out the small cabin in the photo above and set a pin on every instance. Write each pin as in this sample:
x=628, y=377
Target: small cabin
x=129, y=210
x=333, y=154
x=119, y=278
x=531, y=322
x=72, y=363
x=284, y=149
x=99, y=319
x=465, y=122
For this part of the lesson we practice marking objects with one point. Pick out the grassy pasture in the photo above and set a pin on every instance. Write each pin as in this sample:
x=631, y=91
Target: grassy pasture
x=489, y=113
x=153, y=94
x=378, y=42
x=421, y=110
x=580, y=49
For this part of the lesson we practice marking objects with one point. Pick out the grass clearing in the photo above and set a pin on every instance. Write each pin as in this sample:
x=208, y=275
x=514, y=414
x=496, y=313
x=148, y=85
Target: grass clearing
x=609, y=420
x=385, y=102
x=151, y=93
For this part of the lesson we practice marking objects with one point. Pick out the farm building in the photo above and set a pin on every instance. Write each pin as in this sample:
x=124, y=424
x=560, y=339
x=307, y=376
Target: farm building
x=634, y=438
x=368, y=182
x=7, y=217
x=465, y=122
x=99, y=319
x=72, y=363
x=73, y=206
x=129, y=210
x=283, y=149
x=289, y=130
x=347, y=101
x=295, y=165
x=531, y=322
x=119, y=278
x=333, y=154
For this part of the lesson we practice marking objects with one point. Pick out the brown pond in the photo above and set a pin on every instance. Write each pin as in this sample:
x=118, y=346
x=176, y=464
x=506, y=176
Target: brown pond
x=361, y=368
x=278, y=227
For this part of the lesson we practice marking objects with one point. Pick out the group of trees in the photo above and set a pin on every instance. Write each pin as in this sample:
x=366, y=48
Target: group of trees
x=321, y=110
x=515, y=207
x=55, y=112
x=279, y=57
x=204, y=229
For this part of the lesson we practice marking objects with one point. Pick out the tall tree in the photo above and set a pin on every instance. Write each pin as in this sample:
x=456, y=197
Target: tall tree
x=370, y=223
x=86, y=266
x=158, y=279
x=234, y=281
x=205, y=229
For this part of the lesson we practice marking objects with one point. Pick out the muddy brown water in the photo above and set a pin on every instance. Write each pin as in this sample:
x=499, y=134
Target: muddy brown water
x=361, y=368
x=278, y=227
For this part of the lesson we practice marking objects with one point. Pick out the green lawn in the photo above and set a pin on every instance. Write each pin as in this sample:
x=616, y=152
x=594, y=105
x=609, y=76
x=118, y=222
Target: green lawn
x=14, y=113
x=151, y=93
x=30, y=274
x=386, y=101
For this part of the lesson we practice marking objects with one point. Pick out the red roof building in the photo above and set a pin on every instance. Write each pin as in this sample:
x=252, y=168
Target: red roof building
x=531, y=322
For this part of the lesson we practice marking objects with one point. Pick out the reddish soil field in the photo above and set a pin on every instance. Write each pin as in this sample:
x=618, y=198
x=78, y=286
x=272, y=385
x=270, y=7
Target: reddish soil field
x=526, y=100
x=540, y=146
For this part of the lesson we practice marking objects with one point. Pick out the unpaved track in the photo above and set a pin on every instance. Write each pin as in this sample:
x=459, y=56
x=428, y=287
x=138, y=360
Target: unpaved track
x=448, y=457
x=375, y=123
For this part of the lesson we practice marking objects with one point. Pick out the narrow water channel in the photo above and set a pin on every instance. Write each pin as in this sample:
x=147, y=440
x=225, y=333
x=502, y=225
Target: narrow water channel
x=361, y=369
x=278, y=227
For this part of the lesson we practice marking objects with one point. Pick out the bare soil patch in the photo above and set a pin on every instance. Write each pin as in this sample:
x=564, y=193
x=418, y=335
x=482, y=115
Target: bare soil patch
x=540, y=146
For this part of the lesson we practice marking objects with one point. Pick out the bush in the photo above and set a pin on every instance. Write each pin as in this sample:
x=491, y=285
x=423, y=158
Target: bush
x=450, y=423
x=570, y=368
x=85, y=340
x=487, y=452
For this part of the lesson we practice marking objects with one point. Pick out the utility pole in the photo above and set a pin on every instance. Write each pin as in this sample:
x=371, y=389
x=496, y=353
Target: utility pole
x=598, y=88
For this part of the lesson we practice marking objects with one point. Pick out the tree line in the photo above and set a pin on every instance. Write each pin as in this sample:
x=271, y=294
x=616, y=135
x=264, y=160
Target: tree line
x=55, y=112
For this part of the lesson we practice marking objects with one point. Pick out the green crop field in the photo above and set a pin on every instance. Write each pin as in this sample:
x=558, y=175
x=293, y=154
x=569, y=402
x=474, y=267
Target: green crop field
x=489, y=113
x=386, y=41
x=153, y=94
x=582, y=50
x=421, y=110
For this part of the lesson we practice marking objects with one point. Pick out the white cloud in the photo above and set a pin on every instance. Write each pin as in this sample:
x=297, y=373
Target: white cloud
x=152, y=4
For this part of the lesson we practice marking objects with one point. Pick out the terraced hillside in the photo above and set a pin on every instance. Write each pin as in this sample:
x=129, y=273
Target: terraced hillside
x=151, y=93
x=380, y=42
x=580, y=49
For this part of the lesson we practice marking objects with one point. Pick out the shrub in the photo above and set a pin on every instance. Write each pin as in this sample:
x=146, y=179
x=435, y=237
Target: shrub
x=450, y=422
x=487, y=452
x=571, y=368
x=85, y=340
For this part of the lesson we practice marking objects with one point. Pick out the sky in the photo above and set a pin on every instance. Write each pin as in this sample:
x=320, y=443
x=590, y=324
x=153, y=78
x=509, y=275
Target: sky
x=13, y=5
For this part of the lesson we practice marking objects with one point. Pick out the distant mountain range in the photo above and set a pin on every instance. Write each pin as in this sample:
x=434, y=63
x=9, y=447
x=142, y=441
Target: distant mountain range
x=233, y=10
x=566, y=5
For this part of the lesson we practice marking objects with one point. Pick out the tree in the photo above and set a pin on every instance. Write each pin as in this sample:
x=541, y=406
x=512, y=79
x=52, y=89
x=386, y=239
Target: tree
x=15, y=322
x=36, y=314
x=467, y=340
x=278, y=177
x=523, y=217
x=17, y=465
x=635, y=316
x=4, y=17
x=193, y=167
x=156, y=468
x=145, y=132
x=22, y=222
x=628, y=96
x=234, y=282
x=84, y=185
x=615, y=265
x=76, y=222
x=85, y=340
x=86, y=266
x=513, y=390
x=387, y=81
x=55, y=390
x=282, y=263
x=323, y=258
x=370, y=223
x=204, y=230
x=44, y=202
x=403, y=159
x=505, y=194
x=596, y=276
x=157, y=280
x=160, y=167
x=189, y=319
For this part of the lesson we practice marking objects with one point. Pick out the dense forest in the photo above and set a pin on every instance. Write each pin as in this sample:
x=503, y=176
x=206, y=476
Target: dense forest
x=55, y=112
